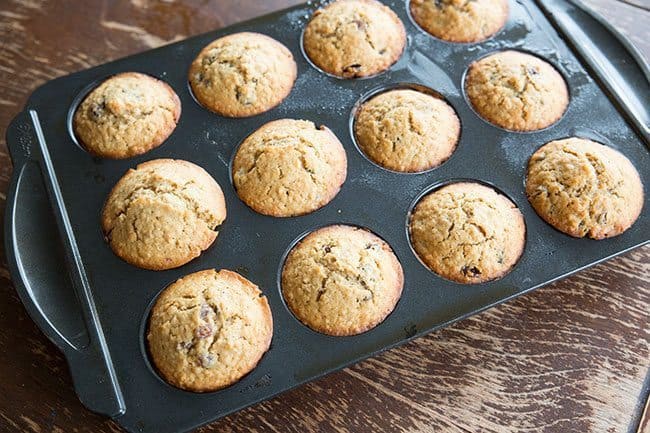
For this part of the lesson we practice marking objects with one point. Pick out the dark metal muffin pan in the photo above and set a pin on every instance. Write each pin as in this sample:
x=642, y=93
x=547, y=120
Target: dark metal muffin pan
x=96, y=312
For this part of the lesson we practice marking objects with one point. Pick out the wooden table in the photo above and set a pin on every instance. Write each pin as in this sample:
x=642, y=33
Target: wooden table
x=571, y=357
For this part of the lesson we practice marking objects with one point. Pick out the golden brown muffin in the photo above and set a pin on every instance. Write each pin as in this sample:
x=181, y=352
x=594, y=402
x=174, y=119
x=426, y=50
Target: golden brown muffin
x=467, y=232
x=163, y=214
x=460, y=20
x=406, y=130
x=126, y=115
x=516, y=91
x=354, y=38
x=242, y=74
x=584, y=188
x=289, y=167
x=342, y=280
x=208, y=330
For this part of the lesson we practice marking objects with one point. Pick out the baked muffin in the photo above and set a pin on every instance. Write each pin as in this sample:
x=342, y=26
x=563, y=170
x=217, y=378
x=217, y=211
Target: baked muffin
x=289, y=167
x=407, y=130
x=354, y=38
x=460, y=20
x=516, y=91
x=163, y=214
x=208, y=330
x=584, y=188
x=341, y=280
x=126, y=115
x=467, y=232
x=242, y=74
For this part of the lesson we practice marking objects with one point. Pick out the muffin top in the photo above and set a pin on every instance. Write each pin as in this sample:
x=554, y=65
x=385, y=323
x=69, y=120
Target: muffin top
x=467, y=232
x=126, y=115
x=289, y=167
x=407, y=130
x=163, y=214
x=242, y=74
x=209, y=329
x=584, y=188
x=516, y=91
x=460, y=20
x=342, y=280
x=354, y=38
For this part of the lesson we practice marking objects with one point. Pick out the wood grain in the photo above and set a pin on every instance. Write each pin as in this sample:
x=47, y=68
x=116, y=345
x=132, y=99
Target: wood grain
x=571, y=357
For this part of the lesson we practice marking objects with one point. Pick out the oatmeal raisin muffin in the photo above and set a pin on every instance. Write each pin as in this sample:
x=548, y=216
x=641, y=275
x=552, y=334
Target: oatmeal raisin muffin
x=163, y=213
x=242, y=74
x=126, y=115
x=354, y=38
x=584, y=188
x=407, y=130
x=460, y=20
x=516, y=91
x=208, y=330
x=289, y=168
x=467, y=232
x=342, y=280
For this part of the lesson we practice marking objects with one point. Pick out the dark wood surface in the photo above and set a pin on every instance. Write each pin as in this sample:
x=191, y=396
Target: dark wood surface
x=571, y=357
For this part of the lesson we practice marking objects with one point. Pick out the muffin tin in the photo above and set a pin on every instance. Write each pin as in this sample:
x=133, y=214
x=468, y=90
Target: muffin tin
x=96, y=313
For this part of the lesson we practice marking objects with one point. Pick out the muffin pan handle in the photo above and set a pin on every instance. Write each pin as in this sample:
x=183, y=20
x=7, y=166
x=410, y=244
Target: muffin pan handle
x=50, y=304
x=616, y=63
